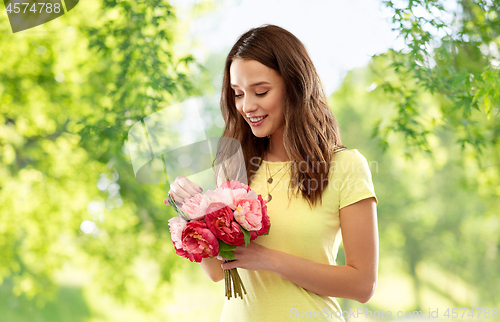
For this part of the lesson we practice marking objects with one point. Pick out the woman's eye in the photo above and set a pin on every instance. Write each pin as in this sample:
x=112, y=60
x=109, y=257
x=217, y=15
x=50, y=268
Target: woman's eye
x=258, y=94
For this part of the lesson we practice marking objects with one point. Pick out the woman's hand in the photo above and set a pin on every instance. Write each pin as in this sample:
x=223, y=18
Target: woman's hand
x=183, y=188
x=253, y=257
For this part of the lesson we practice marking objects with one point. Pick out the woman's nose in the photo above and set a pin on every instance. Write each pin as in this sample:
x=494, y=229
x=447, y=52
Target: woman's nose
x=248, y=104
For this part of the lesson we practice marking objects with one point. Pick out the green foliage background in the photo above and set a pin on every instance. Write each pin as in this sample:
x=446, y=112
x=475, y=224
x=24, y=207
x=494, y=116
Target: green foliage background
x=426, y=120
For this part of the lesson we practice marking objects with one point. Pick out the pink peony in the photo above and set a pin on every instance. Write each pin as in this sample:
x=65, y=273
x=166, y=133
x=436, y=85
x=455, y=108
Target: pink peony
x=220, y=221
x=266, y=222
x=248, y=211
x=195, y=206
x=177, y=225
x=234, y=185
x=226, y=196
x=192, y=257
x=197, y=239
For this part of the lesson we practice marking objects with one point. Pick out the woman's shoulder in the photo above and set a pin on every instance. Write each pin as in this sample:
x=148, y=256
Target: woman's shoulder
x=343, y=154
x=349, y=159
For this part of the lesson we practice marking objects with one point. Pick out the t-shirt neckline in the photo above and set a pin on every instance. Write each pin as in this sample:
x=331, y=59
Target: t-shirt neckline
x=275, y=162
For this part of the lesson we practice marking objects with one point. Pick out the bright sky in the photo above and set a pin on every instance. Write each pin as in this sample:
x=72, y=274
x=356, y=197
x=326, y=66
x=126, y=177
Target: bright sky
x=338, y=34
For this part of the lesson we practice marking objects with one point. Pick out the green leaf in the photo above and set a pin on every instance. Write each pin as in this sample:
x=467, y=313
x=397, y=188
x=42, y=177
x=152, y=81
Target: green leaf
x=225, y=247
x=226, y=250
x=226, y=254
x=246, y=235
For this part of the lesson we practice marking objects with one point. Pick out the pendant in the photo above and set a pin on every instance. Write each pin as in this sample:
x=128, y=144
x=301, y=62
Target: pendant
x=270, y=180
x=269, y=197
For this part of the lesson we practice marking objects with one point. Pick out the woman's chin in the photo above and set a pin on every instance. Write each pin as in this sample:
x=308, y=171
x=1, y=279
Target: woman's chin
x=260, y=134
x=260, y=131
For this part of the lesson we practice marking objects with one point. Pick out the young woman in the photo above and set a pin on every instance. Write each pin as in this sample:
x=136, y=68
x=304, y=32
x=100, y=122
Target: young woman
x=273, y=103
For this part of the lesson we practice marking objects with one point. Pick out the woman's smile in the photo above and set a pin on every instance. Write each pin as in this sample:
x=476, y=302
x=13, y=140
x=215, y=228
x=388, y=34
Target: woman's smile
x=256, y=121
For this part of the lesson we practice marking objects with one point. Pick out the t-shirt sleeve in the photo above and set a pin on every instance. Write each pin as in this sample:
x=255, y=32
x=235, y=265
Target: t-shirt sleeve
x=356, y=178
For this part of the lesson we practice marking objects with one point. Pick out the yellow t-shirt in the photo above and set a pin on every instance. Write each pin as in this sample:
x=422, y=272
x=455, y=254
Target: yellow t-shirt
x=296, y=230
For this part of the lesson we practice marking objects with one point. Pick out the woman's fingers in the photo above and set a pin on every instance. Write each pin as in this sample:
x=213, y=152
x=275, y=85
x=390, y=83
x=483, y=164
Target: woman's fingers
x=183, y=188
x=178, y=196
x=178, y=193
x=165, y=201
x=188, y=186
x=229, y=265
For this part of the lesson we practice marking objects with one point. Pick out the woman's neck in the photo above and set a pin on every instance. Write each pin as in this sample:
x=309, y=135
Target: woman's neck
x=276, y=151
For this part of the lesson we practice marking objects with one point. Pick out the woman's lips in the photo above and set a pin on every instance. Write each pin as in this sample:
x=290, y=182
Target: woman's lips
x=257, y=123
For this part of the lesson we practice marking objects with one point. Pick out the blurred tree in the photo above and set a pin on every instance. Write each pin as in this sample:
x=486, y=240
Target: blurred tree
x=450, y=52
x=437, y=210
x=453, y=55
x=68, y=96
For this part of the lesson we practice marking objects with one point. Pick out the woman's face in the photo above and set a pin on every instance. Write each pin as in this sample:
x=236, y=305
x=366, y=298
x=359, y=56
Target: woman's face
x=259, y=92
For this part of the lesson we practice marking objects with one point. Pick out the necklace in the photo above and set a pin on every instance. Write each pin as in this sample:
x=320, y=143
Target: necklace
x=270, y=180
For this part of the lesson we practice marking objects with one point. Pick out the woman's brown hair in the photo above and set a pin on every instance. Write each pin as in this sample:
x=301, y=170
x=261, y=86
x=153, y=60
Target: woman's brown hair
x=311, y=134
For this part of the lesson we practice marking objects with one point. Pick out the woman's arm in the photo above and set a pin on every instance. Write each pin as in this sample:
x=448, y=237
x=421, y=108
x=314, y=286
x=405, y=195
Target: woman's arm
x=356, y=280
x=212, y=266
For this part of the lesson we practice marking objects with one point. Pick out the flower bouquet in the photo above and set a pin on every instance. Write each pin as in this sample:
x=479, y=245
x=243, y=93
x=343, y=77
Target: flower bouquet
x=214, y=223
